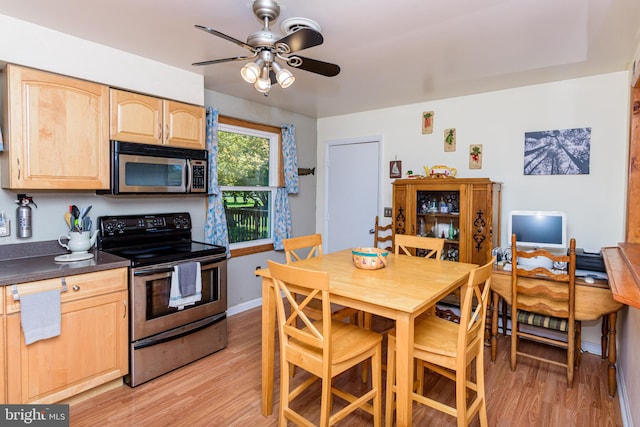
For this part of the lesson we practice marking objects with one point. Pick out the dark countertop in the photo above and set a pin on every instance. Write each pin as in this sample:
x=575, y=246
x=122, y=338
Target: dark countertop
x=28, y=262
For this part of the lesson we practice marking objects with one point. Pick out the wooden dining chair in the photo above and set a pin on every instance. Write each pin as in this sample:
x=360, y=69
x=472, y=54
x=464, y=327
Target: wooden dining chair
x=305, y=247
x=449, y=349
x=383, y=236
x=548, y=307
x=325, y=348
x=410, y=245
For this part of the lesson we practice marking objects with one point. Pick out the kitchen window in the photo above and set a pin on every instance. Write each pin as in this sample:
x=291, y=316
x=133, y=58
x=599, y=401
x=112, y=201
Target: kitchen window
x=249, y=172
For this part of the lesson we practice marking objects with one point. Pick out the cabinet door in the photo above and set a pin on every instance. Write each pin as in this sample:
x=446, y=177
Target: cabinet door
x=184, y=125
x=92, y=348
x=58, y=132
x=135, y=117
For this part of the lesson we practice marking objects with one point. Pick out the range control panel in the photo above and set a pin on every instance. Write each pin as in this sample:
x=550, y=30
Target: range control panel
x=127, y=225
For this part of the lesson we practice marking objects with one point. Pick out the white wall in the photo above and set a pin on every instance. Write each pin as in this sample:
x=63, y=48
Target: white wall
x=594, y=203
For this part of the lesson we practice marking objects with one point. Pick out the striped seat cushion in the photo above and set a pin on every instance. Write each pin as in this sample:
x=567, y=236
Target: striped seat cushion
x=543, y=321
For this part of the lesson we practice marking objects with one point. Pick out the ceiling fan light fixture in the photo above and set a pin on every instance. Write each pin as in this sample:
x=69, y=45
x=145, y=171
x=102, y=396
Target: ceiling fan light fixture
x=284, y=77
x=263, y=84
x=251, y=71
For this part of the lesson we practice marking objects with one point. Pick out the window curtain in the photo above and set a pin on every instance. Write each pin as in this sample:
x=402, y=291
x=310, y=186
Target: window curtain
x=282, y=213
x=215, y=230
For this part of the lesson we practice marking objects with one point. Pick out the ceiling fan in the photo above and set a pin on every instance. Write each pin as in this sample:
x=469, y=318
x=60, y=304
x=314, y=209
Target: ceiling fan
x=266, y=46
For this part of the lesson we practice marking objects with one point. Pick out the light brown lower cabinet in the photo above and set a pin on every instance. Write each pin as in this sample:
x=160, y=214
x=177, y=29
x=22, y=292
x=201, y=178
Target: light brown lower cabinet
x=92, y=346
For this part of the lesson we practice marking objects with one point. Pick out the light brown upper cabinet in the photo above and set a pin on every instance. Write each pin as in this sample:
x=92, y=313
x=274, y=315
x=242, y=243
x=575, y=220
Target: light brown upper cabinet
x=56, y=131
x=149, y=120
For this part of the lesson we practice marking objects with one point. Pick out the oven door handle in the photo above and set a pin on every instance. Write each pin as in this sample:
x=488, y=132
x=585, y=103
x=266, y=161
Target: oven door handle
x=151, y=271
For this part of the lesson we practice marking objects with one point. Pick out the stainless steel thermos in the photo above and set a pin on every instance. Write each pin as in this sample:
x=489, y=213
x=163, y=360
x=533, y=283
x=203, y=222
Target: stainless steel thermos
x=23, y=216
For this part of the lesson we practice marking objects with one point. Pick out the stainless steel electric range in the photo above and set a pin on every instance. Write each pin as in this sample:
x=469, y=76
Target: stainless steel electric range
x=164, y=338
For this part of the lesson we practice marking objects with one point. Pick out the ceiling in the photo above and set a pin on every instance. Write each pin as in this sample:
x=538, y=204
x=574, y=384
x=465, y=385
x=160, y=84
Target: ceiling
x=390, y=53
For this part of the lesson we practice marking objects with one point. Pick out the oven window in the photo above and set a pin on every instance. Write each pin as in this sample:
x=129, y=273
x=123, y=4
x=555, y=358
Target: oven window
x=154, y=174
x=159, y=290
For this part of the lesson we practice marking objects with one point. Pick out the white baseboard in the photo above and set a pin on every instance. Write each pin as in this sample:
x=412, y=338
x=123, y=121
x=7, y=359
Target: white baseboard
x=236, y=309
x=623, y=397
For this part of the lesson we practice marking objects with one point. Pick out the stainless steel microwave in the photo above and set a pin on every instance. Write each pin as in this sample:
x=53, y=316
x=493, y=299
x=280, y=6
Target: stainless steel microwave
x=156, y=169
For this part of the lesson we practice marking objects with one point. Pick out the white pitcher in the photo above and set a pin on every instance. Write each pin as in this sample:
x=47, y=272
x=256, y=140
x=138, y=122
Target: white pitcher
x=78, y=243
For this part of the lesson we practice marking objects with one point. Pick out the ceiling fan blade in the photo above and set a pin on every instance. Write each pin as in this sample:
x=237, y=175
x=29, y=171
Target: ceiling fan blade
x=304, y=38
x=318, y=67
x=218, y=61
x=224, y=36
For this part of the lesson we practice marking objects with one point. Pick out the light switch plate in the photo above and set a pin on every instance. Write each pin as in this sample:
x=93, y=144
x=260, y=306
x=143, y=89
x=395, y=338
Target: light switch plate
x=387, y=212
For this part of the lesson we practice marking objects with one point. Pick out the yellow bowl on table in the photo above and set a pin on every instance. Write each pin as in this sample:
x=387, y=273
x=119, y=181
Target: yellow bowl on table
x=369, y=258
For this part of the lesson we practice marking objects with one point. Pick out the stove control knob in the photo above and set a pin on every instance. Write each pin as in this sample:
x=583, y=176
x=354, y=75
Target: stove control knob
x=120, y=226
x=108, y=227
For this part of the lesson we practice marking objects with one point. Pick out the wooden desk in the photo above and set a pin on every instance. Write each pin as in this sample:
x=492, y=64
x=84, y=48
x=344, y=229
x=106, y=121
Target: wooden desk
x=404, y=289
x=593, y=301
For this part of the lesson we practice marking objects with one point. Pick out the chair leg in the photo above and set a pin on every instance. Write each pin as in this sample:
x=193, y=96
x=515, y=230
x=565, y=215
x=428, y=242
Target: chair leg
x=461, y=397
x=504, y=317
x=482, y=413
x=284, y=391
x=514, y=344
x=325, y=403
x=578, y=342
x=391, y=373
x=376, y=382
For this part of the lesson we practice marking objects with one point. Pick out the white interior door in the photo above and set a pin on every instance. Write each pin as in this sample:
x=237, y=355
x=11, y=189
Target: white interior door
x=352, y=177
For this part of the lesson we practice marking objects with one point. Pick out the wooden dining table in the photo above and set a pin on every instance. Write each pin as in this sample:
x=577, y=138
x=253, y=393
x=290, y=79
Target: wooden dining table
x=404, y=289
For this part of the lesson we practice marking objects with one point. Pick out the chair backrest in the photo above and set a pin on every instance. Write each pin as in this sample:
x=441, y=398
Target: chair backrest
x=294, y=245
x=405, y=242
x=313, y=285
x=474, y=296
x=557, y=300
x=383, y=235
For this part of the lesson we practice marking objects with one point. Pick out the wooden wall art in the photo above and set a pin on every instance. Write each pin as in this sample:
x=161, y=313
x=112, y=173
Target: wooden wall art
x=475, y=156
x=449, y=140
x=427, y=122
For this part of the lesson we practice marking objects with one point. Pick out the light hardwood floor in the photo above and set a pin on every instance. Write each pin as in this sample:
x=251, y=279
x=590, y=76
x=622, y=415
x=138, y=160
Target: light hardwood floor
x=224, y=390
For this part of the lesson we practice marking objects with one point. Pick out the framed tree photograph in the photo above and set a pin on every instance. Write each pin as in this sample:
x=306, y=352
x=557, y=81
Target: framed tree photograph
x=557, y=152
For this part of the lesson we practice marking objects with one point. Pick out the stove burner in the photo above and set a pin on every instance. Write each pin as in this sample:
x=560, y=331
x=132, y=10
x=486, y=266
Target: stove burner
x=153, y=239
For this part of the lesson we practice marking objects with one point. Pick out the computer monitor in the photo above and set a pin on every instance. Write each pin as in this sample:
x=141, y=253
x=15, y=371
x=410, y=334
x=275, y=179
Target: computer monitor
x=538, y=229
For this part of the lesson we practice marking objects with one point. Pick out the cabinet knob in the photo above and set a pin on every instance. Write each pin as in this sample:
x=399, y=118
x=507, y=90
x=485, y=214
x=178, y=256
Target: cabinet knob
x=76, y=288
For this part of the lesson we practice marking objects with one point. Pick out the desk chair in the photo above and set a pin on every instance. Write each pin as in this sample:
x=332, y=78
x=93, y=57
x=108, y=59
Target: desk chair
x=449, y=349
x=409, y=245
x=383, y=235
x=550, y=307
x=325, y=348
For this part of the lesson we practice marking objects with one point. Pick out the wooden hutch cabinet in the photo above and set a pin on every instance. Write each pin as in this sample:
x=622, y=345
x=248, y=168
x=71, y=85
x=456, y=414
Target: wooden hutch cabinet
x=465, y=211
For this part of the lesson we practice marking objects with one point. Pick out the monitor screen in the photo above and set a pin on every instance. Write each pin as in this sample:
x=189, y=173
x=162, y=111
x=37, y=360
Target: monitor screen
x=541, y=229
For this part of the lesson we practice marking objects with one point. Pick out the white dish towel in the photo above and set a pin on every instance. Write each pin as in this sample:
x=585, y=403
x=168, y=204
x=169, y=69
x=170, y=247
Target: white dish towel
x=185, y=277
x=40, y=315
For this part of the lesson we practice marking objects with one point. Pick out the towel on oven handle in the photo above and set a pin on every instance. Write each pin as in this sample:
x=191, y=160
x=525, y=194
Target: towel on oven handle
x=186, y=285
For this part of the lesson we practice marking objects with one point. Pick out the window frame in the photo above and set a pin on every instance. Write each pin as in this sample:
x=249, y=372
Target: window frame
x=263, y=245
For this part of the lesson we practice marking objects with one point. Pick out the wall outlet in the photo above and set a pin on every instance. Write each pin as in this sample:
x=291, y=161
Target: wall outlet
x=387, y=212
